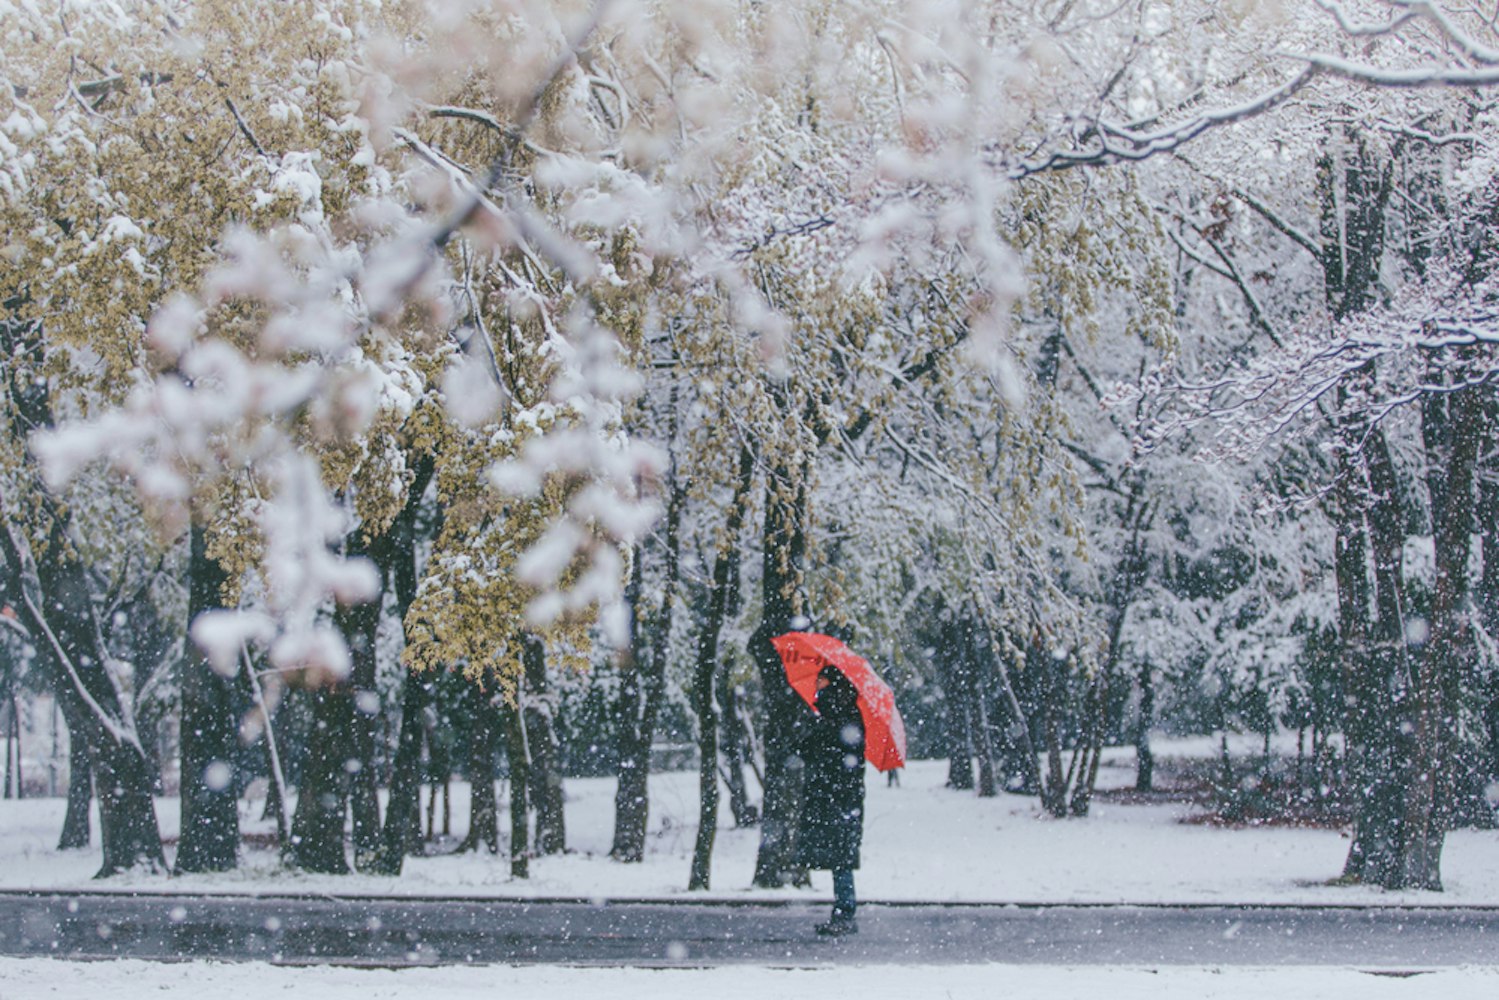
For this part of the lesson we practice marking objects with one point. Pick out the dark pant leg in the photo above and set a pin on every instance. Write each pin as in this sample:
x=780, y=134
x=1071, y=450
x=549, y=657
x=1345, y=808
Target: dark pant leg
x=843, y=893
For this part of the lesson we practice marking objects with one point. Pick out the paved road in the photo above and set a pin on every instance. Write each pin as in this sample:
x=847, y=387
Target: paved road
x=398, y=932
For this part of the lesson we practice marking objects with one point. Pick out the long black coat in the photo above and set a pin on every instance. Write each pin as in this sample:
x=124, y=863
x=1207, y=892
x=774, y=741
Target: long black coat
x=832, y=825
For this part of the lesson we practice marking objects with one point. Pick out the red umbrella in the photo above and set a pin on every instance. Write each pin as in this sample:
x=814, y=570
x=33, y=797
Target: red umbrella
x=806, y=653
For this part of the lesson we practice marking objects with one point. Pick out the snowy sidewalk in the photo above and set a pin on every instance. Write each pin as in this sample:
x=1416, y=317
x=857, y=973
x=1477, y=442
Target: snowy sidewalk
x=45, y=979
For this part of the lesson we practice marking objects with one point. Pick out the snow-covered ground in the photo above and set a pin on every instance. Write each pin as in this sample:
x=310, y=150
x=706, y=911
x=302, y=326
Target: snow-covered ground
x=42, y=979
x=922, y=842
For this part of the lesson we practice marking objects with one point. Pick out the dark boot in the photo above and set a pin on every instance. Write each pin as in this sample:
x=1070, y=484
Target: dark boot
x=841, y=925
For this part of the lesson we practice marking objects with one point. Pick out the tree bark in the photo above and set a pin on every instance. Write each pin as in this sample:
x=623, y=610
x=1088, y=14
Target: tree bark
x=631, y=805
x=1368, y=725
x=733, y=746
x=955, y=687
x=1354, y=188
x=359, y=624
x=700, y=873
x=1373, y=648
x=784, y=550
x=440, y=774
x=13, y=776
x=641, y=694
x=1020, y=751
x=512, y=720
x=75, y=824
x=1054, y=785
x=484, y=810
x=317, y=826
x=973, y=657
x=721, y=589
x=401, y=834
x=546, y=757
x=210, y=734
x=1144, y=757
x=1453, y=428
x=1487, y=597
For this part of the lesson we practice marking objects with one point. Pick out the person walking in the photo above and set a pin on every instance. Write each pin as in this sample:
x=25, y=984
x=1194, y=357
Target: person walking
x=832, y=822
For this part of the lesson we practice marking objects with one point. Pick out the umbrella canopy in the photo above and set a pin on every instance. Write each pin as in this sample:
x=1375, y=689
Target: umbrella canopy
x=806, y=653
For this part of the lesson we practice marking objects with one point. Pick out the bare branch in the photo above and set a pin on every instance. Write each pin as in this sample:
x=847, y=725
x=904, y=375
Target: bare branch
x=1256, y=312
x=1197, y=257
x=244, y=129
x=478, y=202
x=1131, y=146
x=1430, y=138
x=1265, y=212
x=1432, y=76
x=796, y=229
x=1366, y=28
x=1450, y=31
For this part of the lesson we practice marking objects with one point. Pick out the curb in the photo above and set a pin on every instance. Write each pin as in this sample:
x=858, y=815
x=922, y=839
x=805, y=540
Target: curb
x=738, y=903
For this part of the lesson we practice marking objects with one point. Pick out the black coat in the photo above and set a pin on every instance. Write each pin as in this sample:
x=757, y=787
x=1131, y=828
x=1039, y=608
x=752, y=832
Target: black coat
x=832, y=823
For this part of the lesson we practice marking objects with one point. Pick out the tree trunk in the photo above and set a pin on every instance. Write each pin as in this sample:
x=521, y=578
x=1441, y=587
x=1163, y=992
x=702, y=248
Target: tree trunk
x=1129, y=573
x=546, y=757
x=275, y=803
x=1368, y=727
x=641, y=694
x=1020, y=752
x=783, y=553
x=317, y=826
x=955, y=686
x=14, y=779
x=645, y=672
x=700, y=874
x=1144, y=757
x=960, y=726
x=970, y=654
x=56, y=607
x=75, y=825
x=724, y=584
x=1054, y=784
x=1094, y=726
x=1453, y=430
x=276, y=799
x=210, y=813
x=1354, y=188
x=359, y=624
x=440, y=774
x=401, y=834
x=512, y=720
x=484, y=810
x=1487, y=598
x=733, y=746
x=1468, y=419
x=631, y=802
